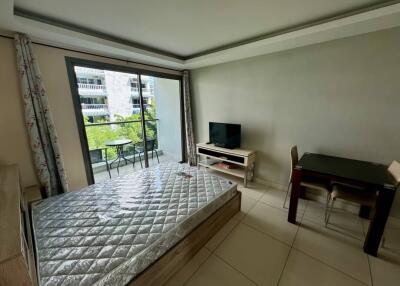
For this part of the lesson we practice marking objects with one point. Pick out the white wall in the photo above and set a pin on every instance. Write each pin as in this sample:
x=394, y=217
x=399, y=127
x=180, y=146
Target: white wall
x=167, y=101
x=340, y=98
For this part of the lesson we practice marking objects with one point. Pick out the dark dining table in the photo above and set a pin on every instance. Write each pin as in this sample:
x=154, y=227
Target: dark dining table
x=371, y=176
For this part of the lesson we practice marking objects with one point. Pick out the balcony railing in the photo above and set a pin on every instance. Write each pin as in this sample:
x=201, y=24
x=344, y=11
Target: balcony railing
x=83, y=71
x=91, y=90
x=99, y=133
x=146, y=106
x=94, y=106
x=148, y=90
x=94, y=109
x=91, y=86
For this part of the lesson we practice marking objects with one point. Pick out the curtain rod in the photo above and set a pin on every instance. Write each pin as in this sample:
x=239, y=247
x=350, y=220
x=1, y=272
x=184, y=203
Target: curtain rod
x=93, y=54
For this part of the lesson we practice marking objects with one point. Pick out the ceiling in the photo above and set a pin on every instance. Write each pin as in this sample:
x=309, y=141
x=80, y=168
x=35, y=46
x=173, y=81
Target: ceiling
x=180, y=33
x=188, y=27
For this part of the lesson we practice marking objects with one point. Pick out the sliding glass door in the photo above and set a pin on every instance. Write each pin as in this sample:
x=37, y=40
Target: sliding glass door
x=127, y=120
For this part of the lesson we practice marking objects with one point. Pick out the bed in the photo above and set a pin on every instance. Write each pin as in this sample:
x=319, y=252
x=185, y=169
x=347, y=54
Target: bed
x=137, y=229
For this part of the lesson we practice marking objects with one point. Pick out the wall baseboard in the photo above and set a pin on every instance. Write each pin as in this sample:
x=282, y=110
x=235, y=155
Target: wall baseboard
x=272, y=184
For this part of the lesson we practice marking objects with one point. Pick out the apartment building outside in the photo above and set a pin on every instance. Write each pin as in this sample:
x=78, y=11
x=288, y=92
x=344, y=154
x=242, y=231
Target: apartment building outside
x=105, y=94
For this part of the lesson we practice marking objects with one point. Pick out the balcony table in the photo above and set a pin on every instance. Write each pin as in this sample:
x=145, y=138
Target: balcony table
x=119, y=146
x=371, y=176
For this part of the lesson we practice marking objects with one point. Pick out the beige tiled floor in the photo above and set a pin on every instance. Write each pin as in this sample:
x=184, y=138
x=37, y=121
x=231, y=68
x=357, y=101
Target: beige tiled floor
x=259, y=247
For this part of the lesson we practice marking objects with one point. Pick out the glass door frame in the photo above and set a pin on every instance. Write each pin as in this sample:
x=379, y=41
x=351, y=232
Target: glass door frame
x=71, y=62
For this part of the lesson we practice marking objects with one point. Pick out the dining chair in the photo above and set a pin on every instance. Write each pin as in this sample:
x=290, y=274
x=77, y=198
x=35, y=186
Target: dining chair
x=132, y=150
x=394, y=171
x=358, y=194
x=350, y=193
x=309, y=183
x=151, y=146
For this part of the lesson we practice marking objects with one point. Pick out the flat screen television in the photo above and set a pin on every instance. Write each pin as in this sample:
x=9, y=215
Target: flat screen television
x=225, y=135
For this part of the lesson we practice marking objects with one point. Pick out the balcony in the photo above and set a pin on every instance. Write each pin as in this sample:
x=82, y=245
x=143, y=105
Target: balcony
x=147, y=91
x=91, y=90
x=94, y=109
x=136, y=108
x=99, y=133
x=85, y=72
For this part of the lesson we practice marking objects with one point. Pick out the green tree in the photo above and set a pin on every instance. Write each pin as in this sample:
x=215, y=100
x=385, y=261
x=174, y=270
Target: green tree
x=97, y=135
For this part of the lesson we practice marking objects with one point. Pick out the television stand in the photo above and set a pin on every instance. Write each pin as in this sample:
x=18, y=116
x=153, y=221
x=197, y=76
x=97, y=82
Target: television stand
x=241, y=160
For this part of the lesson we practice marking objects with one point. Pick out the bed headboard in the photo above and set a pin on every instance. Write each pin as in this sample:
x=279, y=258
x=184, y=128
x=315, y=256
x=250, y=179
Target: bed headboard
x=17, y=265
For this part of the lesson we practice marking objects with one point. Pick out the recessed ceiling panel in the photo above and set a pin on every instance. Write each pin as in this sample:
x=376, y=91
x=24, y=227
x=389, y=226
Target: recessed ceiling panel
x=187, y=27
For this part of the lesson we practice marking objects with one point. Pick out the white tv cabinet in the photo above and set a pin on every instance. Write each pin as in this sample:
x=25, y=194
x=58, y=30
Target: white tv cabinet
x=208, y=155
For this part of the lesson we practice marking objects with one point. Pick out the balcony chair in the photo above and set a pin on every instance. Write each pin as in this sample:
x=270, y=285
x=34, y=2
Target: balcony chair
x=151, y=146
x=133, y=150
x=308, y=183
x=352, y=193
x=96, y=156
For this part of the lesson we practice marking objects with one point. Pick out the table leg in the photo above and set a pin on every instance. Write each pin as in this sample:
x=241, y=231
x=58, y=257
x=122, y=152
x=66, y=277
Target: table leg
x=119, y=157
x=377, y=226
x=295, y=194
x=246, y=172
x=364, y=212
x=252, y=171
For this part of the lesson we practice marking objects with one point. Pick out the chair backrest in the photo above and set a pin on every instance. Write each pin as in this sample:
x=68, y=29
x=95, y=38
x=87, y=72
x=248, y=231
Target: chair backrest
x=151, y=144
x=294, y=159
x=96, y=156
x=394, y=170
x=130, y=150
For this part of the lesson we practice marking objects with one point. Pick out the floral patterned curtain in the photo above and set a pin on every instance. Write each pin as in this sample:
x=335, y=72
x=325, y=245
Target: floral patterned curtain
x=38, y=120
x=190, y=142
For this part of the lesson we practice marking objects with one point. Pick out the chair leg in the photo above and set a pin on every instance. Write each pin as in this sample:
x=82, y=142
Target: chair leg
x=108, y=170
x=330, y=212
x=140, y=159
x=134, y=157
x=287, y=193
x=158, y=160
x=107, y=166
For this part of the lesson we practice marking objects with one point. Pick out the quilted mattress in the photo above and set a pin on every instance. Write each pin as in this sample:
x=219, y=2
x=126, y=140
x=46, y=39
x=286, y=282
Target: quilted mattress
x=108, y=233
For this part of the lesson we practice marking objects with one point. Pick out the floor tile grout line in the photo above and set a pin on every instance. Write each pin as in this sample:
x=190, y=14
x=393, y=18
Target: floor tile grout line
x=226, y=262
x=246, y=213
x=330, y=266
x=290, y=251
x=238, y=222
x=316, y=259
x=197, y=269
x=368, y=257
x=276, y=207
x=212, y=251
x=267, y=234
x=370, y=270
x=304, y=219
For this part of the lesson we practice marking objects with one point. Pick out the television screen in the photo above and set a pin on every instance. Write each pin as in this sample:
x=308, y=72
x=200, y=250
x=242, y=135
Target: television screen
x=225, y=135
